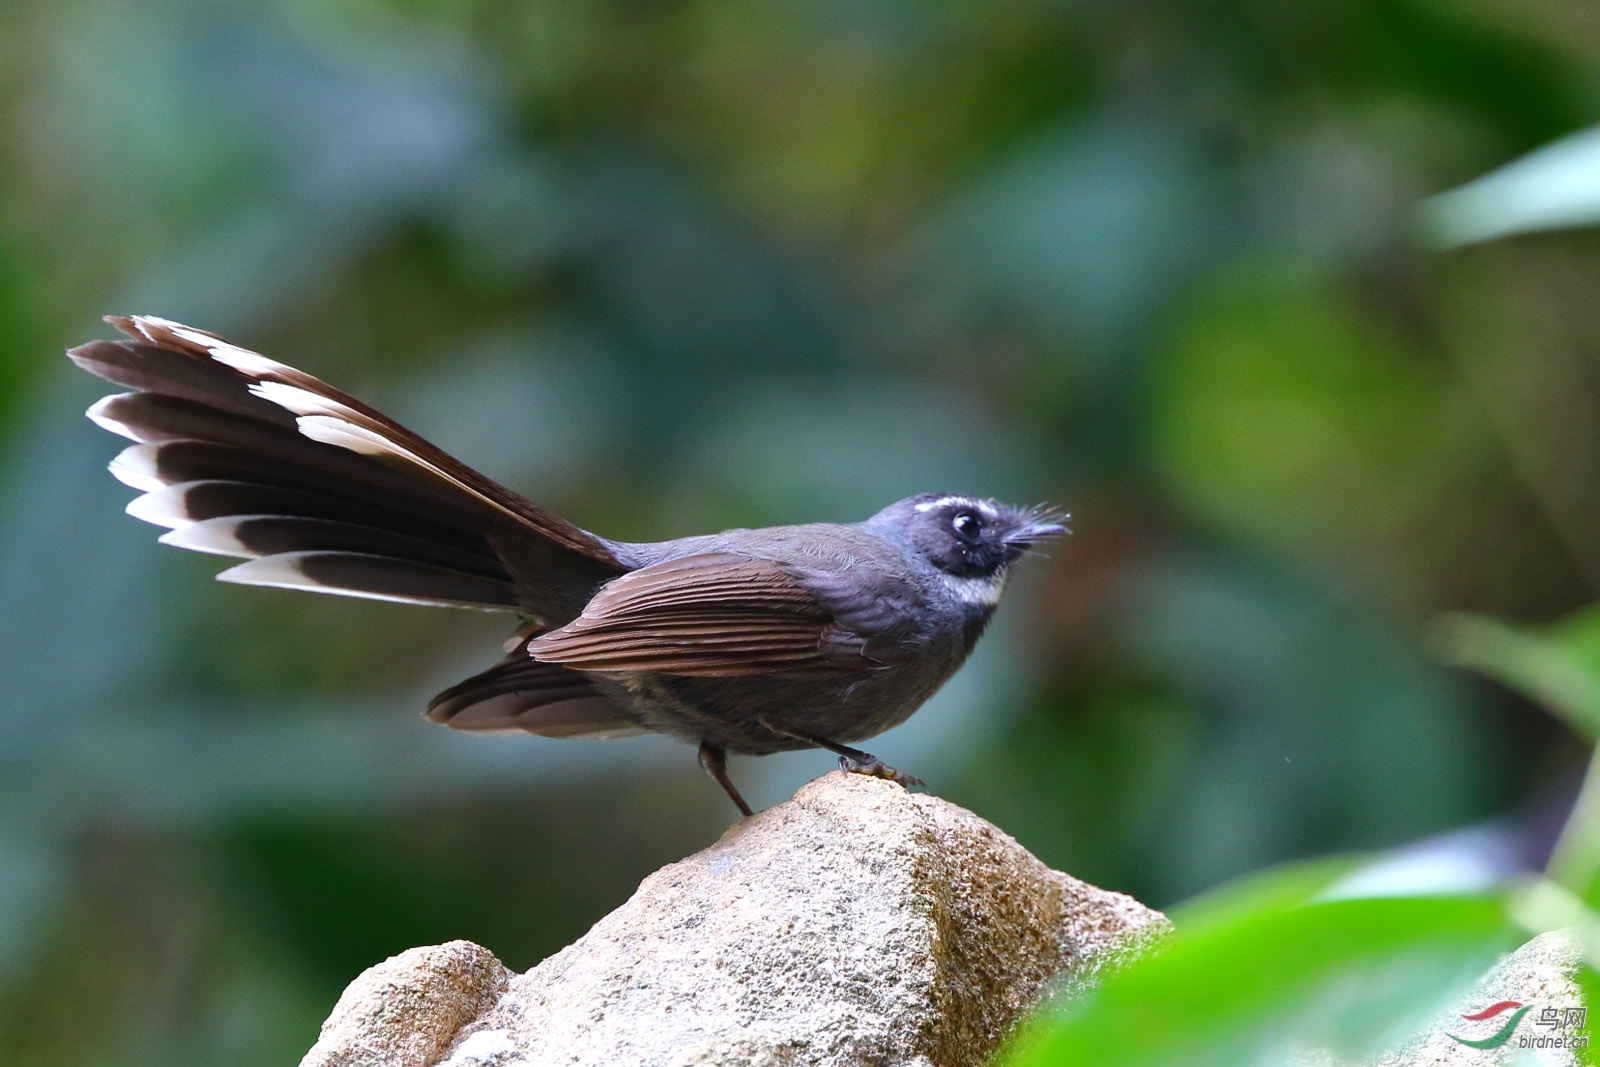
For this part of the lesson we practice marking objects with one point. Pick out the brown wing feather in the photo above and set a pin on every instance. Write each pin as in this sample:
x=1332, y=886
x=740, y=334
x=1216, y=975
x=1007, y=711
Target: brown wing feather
x=714, y=614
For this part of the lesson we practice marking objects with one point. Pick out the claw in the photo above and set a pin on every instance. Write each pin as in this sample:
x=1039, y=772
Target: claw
x=876, y=768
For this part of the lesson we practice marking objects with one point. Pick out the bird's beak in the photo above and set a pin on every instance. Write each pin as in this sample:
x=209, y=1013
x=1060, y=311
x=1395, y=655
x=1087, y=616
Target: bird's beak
x=1041, y=525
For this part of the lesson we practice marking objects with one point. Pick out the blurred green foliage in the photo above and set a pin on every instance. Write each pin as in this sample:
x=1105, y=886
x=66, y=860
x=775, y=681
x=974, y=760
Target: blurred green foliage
x=1335, y=957
x=679, y=266
x=1272, y=980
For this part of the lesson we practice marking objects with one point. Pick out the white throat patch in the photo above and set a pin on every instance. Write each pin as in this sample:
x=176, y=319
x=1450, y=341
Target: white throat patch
x=978, y=592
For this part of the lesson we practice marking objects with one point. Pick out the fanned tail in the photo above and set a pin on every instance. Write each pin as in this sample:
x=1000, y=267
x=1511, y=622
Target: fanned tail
x=243, y=456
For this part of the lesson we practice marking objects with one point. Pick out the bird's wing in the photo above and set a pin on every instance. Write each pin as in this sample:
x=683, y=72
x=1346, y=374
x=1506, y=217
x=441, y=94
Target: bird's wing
x=712, y=614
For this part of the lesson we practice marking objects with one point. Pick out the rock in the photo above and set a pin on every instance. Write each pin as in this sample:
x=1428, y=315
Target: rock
x=408, y=1008
x=854, y=924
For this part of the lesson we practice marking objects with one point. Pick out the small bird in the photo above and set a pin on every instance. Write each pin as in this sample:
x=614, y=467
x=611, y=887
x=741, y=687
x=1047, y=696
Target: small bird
x=746, y=641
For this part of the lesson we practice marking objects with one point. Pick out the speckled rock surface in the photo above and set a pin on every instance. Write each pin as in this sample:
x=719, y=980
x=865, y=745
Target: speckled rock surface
x=407, y=1009
x=854, y=924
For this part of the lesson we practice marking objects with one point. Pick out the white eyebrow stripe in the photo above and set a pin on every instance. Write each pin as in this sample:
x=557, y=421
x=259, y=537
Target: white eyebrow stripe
x=946, y=501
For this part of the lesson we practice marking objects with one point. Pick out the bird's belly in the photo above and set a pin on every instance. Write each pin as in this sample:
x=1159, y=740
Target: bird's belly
x=730, y=711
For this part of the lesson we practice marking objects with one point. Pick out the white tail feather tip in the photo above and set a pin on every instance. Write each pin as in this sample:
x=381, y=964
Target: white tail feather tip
x=97, y=415
x=162, y=507
x=135, y=467
x=217, y=537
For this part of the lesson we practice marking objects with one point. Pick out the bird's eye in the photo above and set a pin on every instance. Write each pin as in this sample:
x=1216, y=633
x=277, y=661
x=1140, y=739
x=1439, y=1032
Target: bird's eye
x=968, y=526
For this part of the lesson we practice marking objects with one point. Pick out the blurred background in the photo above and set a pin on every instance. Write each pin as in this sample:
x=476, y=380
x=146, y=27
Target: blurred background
x=1219, y=276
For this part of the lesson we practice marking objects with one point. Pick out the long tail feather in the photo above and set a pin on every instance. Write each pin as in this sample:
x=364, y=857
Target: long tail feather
x=302, y=395
x=254, y=536
x=375, y=577
x=241, y=455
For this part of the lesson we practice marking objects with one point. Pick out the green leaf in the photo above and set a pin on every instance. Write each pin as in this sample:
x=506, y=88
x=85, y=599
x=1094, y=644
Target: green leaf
x=1252, y=984
x=1589, y=983
x=1557, y=666
x=1280, y=888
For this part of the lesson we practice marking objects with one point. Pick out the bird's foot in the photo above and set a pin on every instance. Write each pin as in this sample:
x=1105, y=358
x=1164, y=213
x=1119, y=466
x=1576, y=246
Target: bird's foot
x=852, y=760
x=876, y=768
x=714, y=758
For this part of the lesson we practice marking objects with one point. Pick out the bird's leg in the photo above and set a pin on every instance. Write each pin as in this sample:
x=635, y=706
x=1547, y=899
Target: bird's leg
x=850, y=759
x=715, y=761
